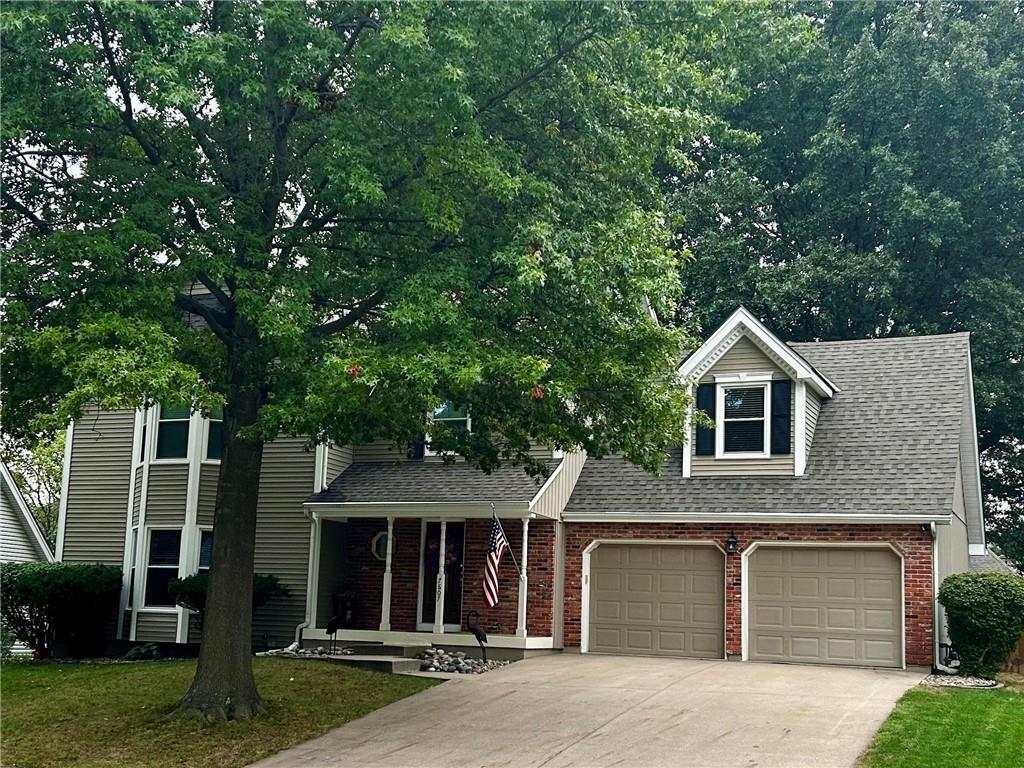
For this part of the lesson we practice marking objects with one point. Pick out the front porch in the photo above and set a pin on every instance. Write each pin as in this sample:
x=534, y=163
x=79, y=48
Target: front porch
x=382, y=578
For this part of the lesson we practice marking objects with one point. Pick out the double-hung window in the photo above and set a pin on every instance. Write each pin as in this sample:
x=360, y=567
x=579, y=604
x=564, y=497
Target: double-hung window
x=172, y=432
x=743, y=422
x=162, y=566
x=452, y=418
x=215, y=434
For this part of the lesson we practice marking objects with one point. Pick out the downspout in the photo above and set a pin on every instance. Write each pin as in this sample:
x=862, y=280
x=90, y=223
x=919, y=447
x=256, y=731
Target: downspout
x=312, y=570
x=936, y=609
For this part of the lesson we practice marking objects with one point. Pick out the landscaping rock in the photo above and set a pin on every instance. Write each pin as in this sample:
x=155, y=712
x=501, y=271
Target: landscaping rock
x=440, y=660
x=958, y=681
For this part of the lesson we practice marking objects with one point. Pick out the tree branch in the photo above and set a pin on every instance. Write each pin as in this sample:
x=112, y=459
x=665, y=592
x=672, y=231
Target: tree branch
x=357, y=313
x=40, y=223
x=218, y=322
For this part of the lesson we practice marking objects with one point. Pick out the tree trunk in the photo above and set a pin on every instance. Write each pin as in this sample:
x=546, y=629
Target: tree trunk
x=224, y=687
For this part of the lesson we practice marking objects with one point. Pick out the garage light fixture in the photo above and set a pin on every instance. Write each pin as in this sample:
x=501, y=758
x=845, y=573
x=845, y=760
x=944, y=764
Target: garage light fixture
x=732, y=546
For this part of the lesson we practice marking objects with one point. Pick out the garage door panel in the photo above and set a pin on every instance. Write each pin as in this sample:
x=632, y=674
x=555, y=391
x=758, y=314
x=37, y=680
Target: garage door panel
x=669, y=598
x=825, y=605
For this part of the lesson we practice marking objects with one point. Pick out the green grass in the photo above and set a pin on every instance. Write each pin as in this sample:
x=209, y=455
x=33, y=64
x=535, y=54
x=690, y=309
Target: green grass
x=78, y=715
x=952, y=728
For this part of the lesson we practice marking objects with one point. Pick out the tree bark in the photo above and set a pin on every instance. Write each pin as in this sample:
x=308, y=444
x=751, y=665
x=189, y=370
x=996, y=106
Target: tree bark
x=224, y=687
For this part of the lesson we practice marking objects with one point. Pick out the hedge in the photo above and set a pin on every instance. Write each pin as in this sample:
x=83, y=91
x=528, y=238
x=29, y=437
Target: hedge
x=985, y=617
x=190, y=592
x=59, y=609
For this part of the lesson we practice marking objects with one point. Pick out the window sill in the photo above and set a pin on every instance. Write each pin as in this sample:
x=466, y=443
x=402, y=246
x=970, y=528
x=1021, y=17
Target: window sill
x=157, y=609
x=743, y=455
x=158, y=462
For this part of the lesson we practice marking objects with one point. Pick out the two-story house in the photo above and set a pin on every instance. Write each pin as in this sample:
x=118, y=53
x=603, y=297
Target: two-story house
x=810, y=519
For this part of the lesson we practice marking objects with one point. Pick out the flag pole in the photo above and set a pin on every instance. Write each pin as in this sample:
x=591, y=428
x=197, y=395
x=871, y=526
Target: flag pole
x=494, y=512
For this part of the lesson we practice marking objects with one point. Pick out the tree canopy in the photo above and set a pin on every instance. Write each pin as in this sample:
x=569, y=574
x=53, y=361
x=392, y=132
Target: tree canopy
x=872, y=184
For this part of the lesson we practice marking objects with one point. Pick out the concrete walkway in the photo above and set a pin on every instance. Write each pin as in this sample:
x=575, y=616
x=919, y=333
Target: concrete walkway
x=588, y=711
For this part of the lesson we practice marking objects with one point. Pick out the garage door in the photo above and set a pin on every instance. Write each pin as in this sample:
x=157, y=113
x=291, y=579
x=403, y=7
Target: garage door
x=657, y=600
x=827, y=605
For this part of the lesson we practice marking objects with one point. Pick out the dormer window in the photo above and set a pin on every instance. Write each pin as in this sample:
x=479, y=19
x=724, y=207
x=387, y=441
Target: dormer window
x=743, y=422
x=453, y=418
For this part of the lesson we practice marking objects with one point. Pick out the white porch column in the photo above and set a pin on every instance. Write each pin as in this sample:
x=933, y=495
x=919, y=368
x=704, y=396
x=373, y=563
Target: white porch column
x=521, y=622
x=439, y=594
x=385, y=604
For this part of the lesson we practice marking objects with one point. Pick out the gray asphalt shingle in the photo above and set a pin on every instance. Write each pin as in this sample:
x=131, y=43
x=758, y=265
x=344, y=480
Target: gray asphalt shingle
x=887, y=443
x=990, y=562
x=430, y=481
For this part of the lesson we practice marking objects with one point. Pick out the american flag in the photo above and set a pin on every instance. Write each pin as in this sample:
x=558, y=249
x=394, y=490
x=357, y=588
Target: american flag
x=495, y=552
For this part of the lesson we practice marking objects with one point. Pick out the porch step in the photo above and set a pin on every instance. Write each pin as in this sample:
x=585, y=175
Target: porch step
x=403, y=650
x=379, y=663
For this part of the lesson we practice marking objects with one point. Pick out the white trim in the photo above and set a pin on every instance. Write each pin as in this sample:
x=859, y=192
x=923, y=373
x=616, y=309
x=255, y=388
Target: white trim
x=126, y=557
x=585, y=581
x=688, y=446
x=547, y=484
x=743, y=378
x=26, y=513
x=976, y=549
x=147, y=534
x=188, y=562
x=320, y=468
x=747, y=517
x=65, y=478
x=742, y=322
x=745, y=592
x=459, y=510
x=312, y=575
x=800, y=429
x=447, y=639
x=150, y=417
x=766, y=419
x=430, y=420
x=385, y=602
x=523, y=582
x=442, y=554
x=937, y=622
x=977, y=456
x=422, y=626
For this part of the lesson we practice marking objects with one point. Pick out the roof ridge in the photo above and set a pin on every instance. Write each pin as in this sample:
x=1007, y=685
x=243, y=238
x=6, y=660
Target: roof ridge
x=880, y=339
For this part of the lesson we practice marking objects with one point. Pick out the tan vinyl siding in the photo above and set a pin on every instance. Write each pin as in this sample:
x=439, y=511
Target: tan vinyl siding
x=208, y=476
x=539, y=451
x=556, y=495
x=951, y=549
x=137, y=496
x=156, y=627
x=380, y=450
x=97, y=492
x=165, y=498
x=744, y=357
x=339, y=457
x=16, y=543
x=813, y=409
x=282, y=536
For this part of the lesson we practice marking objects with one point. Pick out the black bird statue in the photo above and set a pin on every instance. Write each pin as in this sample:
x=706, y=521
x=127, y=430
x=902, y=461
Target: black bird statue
x=332, y=630
x=478, y=631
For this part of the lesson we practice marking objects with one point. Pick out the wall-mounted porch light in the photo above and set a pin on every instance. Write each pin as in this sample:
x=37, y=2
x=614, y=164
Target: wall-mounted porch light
x=732, y=546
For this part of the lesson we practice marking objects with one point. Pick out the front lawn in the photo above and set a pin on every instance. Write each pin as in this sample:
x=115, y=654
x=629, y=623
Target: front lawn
x=112, y=714
x=953, y=728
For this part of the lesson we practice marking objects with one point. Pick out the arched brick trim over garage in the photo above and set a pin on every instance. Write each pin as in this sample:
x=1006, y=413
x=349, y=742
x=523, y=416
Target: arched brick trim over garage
x=913, y=543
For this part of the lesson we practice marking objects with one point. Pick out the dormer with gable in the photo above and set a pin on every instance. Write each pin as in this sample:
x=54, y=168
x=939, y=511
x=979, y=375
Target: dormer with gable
x=762, y=397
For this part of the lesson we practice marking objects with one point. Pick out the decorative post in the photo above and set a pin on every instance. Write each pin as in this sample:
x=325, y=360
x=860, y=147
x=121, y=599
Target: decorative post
x=439, y=595
x=385, y=602
x=521, y=623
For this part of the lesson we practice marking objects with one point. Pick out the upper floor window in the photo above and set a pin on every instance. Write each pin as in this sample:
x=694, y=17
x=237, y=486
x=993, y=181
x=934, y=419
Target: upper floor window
x=743, y=423
x=172, y=432
x=452, y=417
x=215, y=434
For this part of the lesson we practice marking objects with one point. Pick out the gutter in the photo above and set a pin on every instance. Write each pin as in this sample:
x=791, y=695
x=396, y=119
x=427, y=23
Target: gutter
x=752, y=517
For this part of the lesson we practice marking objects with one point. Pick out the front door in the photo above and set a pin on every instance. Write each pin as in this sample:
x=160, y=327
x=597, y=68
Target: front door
x=454, y=544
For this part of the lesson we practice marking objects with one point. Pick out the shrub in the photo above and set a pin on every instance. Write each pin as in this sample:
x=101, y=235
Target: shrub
x=190, y=592
x=985, y=614
x=59, y=608
x=6, y=643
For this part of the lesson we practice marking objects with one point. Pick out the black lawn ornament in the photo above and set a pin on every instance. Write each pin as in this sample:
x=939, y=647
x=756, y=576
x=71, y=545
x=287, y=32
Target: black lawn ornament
x=332, y=630
x=478, y=631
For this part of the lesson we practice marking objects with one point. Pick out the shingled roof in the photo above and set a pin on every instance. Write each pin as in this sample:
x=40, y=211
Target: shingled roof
x=429, y=482
x=886, y=443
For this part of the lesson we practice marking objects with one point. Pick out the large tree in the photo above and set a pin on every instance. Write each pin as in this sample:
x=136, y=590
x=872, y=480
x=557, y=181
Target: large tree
x=883, y=195
x=363, y=211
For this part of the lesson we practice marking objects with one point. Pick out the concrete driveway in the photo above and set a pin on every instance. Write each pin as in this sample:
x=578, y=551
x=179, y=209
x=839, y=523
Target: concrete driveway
x=571, y=710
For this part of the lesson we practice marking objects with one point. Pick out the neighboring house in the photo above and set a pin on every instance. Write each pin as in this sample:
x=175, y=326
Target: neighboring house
x=21, y=539
x=812, y=524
